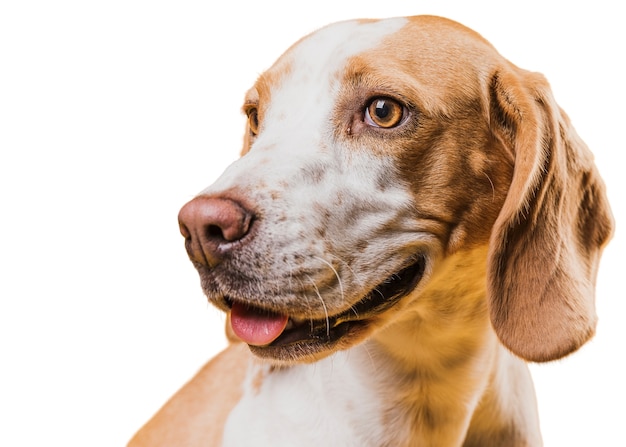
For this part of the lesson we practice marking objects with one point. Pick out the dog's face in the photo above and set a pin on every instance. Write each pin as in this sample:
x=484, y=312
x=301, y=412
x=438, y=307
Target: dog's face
x=374, y=151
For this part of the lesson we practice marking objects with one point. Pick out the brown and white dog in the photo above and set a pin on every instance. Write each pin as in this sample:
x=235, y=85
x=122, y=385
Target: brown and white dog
x=412, y=218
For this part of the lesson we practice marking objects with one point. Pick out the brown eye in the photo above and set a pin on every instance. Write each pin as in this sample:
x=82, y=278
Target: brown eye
x=253, y=120
x=384, y=112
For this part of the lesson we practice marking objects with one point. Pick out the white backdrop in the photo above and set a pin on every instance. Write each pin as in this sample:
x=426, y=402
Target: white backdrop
x=113, y=114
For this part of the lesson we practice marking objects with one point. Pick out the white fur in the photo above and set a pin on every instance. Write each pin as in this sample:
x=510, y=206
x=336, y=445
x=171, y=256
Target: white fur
x=311, y=405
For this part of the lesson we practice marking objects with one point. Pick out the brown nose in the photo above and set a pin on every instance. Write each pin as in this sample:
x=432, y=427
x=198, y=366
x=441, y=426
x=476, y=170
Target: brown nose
x=210, y=225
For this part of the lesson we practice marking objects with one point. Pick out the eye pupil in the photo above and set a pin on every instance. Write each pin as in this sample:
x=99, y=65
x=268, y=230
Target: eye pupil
x=382, y=109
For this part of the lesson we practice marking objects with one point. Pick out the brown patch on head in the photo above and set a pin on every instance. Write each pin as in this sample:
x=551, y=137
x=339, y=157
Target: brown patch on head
x=458, y=172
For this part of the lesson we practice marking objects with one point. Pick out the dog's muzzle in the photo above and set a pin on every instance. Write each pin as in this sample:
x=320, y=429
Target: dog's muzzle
x=213, y=227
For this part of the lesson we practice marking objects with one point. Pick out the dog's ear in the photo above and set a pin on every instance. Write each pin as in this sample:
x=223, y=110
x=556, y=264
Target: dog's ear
x=546, y=243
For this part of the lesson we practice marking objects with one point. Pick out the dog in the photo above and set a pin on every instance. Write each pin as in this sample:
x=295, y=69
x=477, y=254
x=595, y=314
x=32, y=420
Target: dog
x=412, y=219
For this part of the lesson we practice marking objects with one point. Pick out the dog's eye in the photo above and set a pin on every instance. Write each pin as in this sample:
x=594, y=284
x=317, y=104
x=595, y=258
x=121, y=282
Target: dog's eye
x=385, y=113
x=253, y=120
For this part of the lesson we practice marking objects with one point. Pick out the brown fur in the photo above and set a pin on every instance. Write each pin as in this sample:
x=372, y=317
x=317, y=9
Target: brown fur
x=548, y=238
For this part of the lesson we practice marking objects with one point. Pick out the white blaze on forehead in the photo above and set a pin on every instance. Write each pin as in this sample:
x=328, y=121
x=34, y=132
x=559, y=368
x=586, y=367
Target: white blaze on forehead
x=308, y=91
x=300, y=106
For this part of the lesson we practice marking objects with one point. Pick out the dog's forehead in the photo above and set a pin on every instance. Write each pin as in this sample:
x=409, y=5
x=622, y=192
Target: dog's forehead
x=312, y=67
x=441, y=55
x=327, y=50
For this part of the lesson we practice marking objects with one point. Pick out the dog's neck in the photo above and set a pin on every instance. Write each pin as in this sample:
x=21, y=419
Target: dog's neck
x=365, y=396
x=448, y=324
x=442, y=345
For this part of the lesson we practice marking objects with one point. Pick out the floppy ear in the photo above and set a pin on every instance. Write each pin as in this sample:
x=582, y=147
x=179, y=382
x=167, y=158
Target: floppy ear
x=547, y=240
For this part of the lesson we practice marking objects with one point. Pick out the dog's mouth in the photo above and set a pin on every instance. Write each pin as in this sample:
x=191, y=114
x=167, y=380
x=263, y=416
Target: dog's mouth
x=278, y=335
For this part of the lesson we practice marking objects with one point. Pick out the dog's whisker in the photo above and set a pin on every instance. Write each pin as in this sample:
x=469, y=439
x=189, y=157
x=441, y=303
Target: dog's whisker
x=356, y=277
x=354, y=311
x=319, y=295
x=339, y=281
x=305, y=296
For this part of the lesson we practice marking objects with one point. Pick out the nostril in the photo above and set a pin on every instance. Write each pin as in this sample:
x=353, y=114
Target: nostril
x=213, y=231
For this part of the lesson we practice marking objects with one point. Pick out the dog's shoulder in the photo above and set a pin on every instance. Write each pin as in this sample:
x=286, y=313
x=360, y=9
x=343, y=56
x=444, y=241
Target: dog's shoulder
x=196, y=414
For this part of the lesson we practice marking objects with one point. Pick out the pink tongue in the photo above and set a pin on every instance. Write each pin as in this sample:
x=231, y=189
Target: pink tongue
x=256, y=327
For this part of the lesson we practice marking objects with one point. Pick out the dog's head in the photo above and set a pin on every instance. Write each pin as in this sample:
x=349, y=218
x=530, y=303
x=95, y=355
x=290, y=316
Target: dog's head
x=376, y=150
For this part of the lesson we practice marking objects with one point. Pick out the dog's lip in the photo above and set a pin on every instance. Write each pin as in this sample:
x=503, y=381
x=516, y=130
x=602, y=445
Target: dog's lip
x=330, y=329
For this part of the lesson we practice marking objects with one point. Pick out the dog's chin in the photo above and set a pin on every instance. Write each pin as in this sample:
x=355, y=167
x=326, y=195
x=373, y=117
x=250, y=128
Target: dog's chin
x=307, y=340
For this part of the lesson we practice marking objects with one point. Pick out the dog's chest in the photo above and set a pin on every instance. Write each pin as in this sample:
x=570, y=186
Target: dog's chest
x=330, y=402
